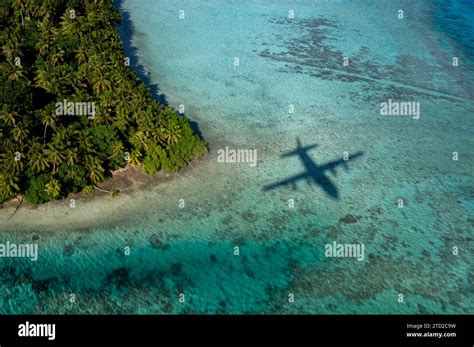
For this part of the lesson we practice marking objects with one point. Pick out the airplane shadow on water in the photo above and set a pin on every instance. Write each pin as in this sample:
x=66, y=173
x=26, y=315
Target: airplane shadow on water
x=314, y=173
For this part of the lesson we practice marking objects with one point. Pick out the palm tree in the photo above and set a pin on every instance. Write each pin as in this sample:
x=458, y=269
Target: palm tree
x=11, y=49
x=71, y=156
x=13, y=72
x=103, y=115
x=81, y=56
x=19, y=5
x=48, y=119
x=47, y=79
x=140, y=140
x=56, y=56
x=45, y=27
x=46, y=10
x=117, y=149
x=95, y=169
x=10, y=161
x=9, y=117
x=172, y=134
x=66, y=23
x=135, y=157
x=53, y=188
x=34, y=8
x=8, y=184
x=38, y=159
x=43, y=78
x=43, y=46
x=54, y=156
x=100, y=83
x=20, y=133
x=120, y=79
x=84, y=141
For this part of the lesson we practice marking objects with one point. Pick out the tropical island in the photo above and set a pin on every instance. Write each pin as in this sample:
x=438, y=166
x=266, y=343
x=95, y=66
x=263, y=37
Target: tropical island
x=72, y=109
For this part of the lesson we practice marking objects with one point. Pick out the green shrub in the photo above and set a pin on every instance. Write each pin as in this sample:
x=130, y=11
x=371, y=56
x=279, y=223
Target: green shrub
x=36, y=191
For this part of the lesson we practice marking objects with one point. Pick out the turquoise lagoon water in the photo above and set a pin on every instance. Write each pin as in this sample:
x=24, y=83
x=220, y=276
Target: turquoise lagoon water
x=283, y=62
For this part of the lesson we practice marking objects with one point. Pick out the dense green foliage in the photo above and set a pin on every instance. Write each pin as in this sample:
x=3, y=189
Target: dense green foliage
x=55, y=50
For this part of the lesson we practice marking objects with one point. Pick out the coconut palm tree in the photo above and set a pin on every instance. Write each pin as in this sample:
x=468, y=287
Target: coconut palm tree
x=48, y=119
x=34, y=8
x=8, y=184
x=68, y=24
x=56, y=56
x=9, y=117
x=38, y=159
x=11, y=162
x=43, y=78
x=20, y=133
x=117, y=150
x=43, y=46
x=100, y=83
x=71, y=156
x=54, y=156
x=11, y=49
x=81, y=55
x=95, y=169
x=140, y=140
x=47, y=10
x=13, y=72
x=53, y=188
x=172, y=134
x=46, y=28
x=135, y=157
x=19, y=5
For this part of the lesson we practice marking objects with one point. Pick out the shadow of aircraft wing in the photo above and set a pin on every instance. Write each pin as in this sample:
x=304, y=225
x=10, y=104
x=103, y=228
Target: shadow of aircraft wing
x=290, y=180
x=326, y=184
x=335, y=163
x=297, y=151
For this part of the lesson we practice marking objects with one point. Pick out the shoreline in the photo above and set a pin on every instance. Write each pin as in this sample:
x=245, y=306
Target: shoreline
x=94, y=209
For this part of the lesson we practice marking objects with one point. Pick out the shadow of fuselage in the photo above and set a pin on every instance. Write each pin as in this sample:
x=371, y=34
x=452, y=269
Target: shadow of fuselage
x=314, y=173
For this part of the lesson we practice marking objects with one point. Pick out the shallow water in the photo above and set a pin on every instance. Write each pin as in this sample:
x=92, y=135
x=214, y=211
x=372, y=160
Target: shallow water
x=283, y=62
